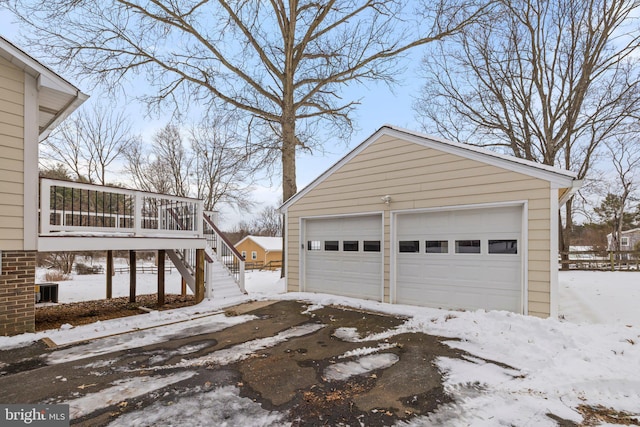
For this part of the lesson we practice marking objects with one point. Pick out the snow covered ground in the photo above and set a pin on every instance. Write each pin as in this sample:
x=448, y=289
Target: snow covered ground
x=590, y=357
x=600, y=296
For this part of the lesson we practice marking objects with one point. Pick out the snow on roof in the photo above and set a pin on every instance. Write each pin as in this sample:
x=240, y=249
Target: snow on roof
x=265, y=242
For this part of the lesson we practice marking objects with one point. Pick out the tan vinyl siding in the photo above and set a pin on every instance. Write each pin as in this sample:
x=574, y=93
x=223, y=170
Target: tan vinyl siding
x=417, y=177
x=11, y=157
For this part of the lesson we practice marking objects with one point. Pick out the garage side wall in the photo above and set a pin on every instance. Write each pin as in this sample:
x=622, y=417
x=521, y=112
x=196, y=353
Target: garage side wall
x=417, y=177
x=11, y=156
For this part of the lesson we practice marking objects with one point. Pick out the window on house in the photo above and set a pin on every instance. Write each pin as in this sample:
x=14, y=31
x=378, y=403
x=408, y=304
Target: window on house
x=371, y=245
x=409, y=246
x=503, y=246
x=437, y=247
x=244, y=254
x=314, y=245
x=254, y=255
x=350, y=246
x=331, y=245
x=624, y=241
x=467, y=246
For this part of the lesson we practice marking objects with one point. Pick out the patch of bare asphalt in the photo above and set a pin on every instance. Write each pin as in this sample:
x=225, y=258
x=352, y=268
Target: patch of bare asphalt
x=289, y=377
x=398, y=381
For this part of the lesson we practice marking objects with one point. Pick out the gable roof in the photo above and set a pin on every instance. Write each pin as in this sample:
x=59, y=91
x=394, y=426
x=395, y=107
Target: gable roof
x=269, y=244
x=57, y=98
x=559, y=178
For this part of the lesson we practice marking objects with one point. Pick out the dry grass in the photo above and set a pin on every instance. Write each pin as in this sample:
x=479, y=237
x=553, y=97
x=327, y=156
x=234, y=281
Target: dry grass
x=596, y=415
x=55, y=276
x=82, y=313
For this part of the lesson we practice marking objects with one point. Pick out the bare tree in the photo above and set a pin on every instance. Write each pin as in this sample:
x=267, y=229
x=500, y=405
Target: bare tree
x=163, y=168
x=222, y=166
x=546, y=80
x=268, y=222
x=283, y=63
x=214, y=167
x=169, y=149
x=625, y=155
x=90, y=142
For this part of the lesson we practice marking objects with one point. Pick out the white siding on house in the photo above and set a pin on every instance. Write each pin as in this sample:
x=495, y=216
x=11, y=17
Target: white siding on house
x=11, y=156
x=417, y=177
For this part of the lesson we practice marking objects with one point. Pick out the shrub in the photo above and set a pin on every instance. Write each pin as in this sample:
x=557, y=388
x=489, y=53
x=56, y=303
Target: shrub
x=55, y=276
x=88, y=269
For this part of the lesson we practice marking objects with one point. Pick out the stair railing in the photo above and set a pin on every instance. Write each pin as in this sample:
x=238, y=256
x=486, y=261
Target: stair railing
x=224, y=251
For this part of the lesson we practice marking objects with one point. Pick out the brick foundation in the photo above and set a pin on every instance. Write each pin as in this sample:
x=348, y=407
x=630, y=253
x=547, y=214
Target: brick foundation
x=17, y=298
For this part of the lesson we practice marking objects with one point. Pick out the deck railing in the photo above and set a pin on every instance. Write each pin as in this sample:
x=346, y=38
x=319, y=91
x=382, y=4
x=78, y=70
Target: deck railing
x=224, y=251
x=79, y=208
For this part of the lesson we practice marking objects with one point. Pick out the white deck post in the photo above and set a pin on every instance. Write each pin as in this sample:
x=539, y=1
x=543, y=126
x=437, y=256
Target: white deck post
x=241, y=277
x=199, y=225
x=208, y=281
x=137, y=215
x=45, y=206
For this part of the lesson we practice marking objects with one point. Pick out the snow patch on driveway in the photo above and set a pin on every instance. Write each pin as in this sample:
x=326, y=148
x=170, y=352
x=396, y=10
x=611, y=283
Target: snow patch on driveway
x=222, y=407
x=145, y=337
x=122, y=390
x=363, y=365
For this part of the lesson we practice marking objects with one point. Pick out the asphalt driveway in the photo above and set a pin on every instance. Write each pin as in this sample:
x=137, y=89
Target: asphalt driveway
x=322, y=366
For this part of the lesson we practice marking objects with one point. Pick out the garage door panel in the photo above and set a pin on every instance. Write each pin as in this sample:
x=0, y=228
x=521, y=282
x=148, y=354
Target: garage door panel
x=349, y=273
x=461, y=280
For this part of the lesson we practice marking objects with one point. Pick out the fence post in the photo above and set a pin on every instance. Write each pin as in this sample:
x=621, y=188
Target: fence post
x=611, y=260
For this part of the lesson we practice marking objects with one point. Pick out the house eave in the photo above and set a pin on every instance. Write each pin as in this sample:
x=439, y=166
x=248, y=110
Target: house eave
x=57, y=97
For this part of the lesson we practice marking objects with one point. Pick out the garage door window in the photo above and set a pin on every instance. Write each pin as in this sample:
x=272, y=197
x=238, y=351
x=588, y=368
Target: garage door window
x=437, y=246
x=350, y=246
x=503, y=246
x=313, y=245
x=467, y=246
x=371, y=245
x=331, y=245
x=409, y=246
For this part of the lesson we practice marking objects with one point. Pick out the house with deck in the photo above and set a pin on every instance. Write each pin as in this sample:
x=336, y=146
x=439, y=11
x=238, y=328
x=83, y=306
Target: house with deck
x=45, y=215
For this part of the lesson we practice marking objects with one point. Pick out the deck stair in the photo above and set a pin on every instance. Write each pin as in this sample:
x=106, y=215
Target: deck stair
x=224, y=268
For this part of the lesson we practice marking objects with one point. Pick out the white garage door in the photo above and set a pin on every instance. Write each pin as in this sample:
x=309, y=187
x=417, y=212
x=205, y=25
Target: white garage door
x=460, y=259
x=343, y=256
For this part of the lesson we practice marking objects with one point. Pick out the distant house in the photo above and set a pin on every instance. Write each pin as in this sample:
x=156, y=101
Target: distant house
x=628, y=240
x=261, y=249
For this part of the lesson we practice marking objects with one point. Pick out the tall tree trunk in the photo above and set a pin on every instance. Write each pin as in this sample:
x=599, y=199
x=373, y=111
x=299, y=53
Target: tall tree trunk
x=289, y=187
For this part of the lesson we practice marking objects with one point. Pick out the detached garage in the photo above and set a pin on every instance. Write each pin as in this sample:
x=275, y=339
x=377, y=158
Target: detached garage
x=410, y=219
